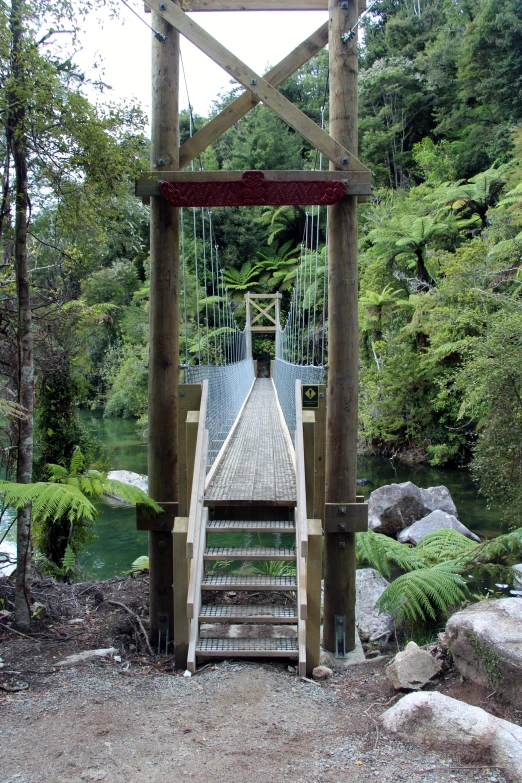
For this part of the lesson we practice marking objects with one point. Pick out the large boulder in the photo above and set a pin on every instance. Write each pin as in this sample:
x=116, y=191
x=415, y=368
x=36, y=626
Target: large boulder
x=371, y=624
x=486, y=643
x=438, y=498
x=432, y=720
x=434, y=521
x=412, y=668
x=395, y=506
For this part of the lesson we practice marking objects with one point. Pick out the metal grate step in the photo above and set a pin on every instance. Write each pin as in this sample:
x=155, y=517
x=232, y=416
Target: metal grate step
x=248, y=648
x=249, y=553
x=232, y=526
x=248, y=613
x=258, y=582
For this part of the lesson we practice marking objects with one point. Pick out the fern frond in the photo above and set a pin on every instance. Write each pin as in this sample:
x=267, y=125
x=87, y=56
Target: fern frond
x=380, y=551
x=130, y=494
x=443, y=545
x=69, y=560
x=49, y=501
x=418, y=595
x=506, y=545
x=140, y=564
x=77, y=462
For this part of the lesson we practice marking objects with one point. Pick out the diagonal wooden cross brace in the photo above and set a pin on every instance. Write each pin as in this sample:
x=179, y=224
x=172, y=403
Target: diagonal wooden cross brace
x=263, y=311
x=259, y=87
x=242, y=105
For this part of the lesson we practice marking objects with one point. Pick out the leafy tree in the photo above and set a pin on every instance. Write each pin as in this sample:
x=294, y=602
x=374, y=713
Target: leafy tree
x=471, y=199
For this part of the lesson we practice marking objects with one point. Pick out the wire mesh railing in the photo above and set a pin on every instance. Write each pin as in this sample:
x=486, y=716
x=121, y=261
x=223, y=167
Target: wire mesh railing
x=228, y=386
x=285, y=376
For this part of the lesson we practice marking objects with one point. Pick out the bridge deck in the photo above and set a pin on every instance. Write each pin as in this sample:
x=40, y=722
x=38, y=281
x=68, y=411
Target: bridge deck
x=256, y=468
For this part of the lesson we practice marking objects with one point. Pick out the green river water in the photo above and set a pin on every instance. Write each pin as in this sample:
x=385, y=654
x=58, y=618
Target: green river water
x=118, y=542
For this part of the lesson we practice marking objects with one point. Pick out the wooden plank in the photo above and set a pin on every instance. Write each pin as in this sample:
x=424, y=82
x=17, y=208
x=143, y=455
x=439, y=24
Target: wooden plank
x=320, y=453
x=259, y=5
x=191, y=426
x=346, y=518
x=242, y=105
x=181, y=576
x=196, y=558
x=300, y=481
x=264, y=91
x=301, y=635
x=356, y=182
x=198, y=485
x=263, y=328
x=309, y=458
x=314, y=572
x=189, y=399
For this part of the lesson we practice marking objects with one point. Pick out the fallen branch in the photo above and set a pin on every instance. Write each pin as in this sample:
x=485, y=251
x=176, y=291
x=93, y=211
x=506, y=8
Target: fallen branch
x=138, y=620
x=19, y=633
x=438, y=769
x=13, y=688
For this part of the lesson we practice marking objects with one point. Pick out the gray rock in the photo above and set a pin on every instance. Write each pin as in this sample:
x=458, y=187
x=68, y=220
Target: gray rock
x=128, y=477
x=395, y=506
x=434, y=521
x=322, y=673
x=438, y=498
x=371, y=624
x=486, y=643
x=517, y=568
x=432, y=720
x=412, y=668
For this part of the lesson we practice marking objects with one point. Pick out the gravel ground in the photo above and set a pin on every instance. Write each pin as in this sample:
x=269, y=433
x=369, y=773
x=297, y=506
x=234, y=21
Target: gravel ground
x=136, y=720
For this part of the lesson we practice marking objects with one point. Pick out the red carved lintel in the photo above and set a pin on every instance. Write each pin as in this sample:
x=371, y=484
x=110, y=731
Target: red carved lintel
x=251, y=190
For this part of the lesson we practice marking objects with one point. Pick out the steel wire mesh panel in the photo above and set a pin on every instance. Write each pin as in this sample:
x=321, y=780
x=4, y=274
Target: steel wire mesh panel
x=228, y=386
x=285, y=376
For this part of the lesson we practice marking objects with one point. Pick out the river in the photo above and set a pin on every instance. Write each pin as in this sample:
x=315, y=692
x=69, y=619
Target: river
x=118, y=542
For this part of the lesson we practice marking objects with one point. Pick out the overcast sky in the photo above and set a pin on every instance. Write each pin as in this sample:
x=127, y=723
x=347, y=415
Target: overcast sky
x=258, y=38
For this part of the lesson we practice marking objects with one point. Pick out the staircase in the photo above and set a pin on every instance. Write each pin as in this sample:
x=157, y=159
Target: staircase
x=233, y=608
x=237, y=626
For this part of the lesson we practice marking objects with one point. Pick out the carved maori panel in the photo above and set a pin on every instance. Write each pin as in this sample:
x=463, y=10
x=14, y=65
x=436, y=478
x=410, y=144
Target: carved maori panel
x=251, y=190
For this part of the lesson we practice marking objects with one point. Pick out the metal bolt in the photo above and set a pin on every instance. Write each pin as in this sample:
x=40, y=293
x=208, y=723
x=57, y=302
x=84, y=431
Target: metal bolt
x=342, y=544
x=253, y=81
x=182, y=394
x=161, y=161
x=344, y=4
x=163, y=6
x=342, y=527
x=344, y=159
x=342, y=509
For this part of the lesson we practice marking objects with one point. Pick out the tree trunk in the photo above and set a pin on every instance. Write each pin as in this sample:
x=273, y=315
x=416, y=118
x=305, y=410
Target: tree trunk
x=422, y=272
x=16, y=133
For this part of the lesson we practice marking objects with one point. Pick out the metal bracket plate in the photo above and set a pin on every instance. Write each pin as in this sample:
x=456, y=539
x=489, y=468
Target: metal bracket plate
x=340, y=636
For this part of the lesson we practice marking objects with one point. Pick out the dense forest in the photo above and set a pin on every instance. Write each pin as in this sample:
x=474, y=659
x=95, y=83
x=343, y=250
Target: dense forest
x=440, y=238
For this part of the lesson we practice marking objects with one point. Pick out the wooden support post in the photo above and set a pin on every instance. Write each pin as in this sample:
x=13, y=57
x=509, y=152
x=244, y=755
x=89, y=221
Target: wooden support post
x=248, y=327
x=320, y=454
x=341, y=437
x=309, y=459
x=181, y=577
x=314, y=570
x=192, y=425
x=164, y=316
x=189, y=399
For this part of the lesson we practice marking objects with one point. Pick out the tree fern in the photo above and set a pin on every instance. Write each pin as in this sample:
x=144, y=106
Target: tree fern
x=443, y=545
x=49, y=501
x=69, y=560
x=419, y=595
x=380, y=551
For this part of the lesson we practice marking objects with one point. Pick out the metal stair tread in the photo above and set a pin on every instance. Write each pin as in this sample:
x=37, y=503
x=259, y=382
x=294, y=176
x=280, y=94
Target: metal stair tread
x=249, y=553
x=269, y=647
x=248, y=526
x=257, y=582
x=251, y=613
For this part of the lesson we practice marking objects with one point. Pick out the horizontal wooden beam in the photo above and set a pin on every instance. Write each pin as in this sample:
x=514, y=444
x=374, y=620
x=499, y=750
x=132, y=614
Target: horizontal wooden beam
x=346, y=517
x=356, y=182
x=259, y=5
x=300, y=122
x=242, y=105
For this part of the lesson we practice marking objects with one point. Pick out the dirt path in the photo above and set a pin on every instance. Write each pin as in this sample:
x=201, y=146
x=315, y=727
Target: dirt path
x=128, y=721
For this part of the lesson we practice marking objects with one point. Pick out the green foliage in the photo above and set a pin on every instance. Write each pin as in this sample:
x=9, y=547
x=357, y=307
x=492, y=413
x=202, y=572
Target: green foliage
x=419, y=595
x=381, y=552
x=274, y=567
x=140, y=564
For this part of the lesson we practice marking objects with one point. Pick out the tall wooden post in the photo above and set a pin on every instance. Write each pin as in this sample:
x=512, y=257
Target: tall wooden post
x=341, y=437
x=164, y=317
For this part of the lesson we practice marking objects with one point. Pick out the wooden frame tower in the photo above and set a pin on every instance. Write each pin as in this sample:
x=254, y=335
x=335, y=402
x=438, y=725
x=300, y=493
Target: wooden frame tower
x=167, y=186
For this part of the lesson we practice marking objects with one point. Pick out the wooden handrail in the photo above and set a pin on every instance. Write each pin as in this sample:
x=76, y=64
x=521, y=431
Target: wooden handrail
x=198, y=476
x=301, y=515
x=196, y=562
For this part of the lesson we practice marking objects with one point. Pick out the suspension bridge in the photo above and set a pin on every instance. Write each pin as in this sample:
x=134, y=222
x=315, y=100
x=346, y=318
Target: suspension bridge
x=265, y=464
